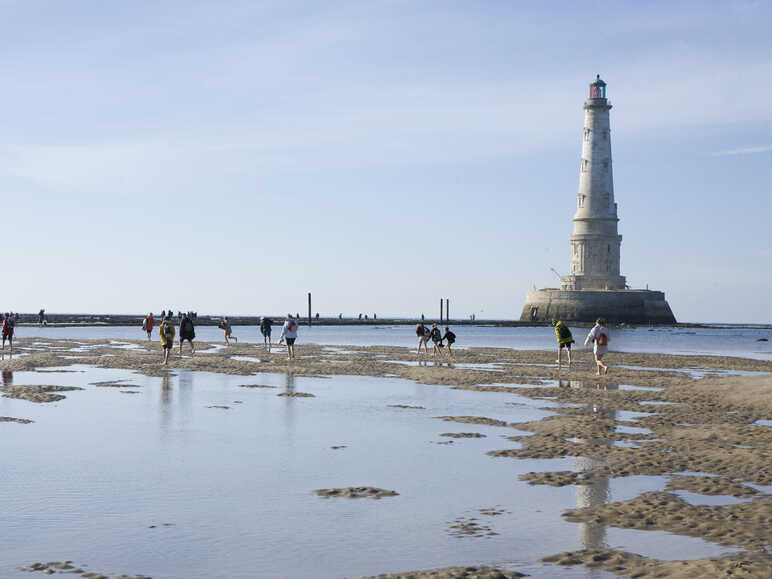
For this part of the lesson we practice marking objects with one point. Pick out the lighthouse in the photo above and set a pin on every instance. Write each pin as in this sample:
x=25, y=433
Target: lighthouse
x=594, y=286
x=595, y=243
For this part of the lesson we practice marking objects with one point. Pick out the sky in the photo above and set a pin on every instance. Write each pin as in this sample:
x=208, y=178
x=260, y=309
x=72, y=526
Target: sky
x=228, y=157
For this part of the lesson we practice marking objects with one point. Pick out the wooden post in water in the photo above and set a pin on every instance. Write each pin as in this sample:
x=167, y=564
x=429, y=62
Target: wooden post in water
x=447, y=311
x=309, y=308
x=441, y=311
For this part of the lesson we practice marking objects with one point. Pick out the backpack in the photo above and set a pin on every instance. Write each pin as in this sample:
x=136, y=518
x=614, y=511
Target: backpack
x=602, y=339
x=564, y=331
x=291, y=326
x=168, y=331
x=187, y=326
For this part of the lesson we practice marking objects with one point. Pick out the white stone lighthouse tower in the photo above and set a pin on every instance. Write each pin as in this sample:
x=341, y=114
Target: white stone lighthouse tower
x=594, y=287
x=595, y=242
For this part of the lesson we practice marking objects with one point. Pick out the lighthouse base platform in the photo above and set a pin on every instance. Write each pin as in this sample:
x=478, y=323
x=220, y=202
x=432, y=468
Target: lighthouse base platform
x=616, y=306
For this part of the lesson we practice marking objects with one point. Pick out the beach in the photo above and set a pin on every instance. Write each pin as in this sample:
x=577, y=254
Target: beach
x=586, y=474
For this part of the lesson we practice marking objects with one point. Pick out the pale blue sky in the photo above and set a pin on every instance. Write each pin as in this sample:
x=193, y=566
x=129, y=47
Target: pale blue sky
x=229, y=157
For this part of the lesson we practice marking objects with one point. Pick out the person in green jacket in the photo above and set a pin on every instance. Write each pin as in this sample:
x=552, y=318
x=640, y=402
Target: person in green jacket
x=166, y=331
x=565, y=339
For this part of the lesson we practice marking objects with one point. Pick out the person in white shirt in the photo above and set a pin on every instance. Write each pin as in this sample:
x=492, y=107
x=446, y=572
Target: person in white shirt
x=599, y=336
x=289, y=333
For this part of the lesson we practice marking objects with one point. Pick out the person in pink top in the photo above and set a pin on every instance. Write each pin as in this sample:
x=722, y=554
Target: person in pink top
x=599, y=337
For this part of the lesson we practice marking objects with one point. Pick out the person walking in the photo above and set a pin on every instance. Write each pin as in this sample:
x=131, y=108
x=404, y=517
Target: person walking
x=423, y=336
x=225, y=326
x=166, y=331
x=289, y=333
x=599, y=336
x=565, y=339
x=187, y=332
x=449, y=338
x=41, y=316
x=8, y=326
x=265, y=330
x=147, y=324
x=436, y=337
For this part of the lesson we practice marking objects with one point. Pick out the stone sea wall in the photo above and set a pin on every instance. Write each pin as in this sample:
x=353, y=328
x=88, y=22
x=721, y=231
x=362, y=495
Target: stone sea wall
x=617, y=306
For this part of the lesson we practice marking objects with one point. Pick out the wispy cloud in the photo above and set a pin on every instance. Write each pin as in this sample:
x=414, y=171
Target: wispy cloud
x=744, y=151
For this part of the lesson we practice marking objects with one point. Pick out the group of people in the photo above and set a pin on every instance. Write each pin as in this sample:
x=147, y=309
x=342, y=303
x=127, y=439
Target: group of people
x=598, y=336
x=435, y=335
x=187, y=331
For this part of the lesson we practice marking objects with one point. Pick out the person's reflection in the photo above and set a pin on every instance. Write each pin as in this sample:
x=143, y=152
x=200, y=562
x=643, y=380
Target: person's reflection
x=165, y=406
x=289, y=387
x=289, y=408
x=7, y=378
x=185, y=391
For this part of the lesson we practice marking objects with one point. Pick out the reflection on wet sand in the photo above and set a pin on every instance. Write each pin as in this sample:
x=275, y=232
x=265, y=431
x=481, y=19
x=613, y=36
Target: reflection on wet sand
x=289, y=408
x=165, y=406
x=591, y=534
x=596, y=384
x=7, y=378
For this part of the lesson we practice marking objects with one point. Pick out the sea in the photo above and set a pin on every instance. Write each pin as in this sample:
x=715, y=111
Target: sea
x=745, y=341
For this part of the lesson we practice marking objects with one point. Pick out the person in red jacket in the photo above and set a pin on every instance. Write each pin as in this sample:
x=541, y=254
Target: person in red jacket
x=147, y=324
x=8, y=325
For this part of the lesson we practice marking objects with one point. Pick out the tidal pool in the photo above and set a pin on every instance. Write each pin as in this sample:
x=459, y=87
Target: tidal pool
x=197, y=476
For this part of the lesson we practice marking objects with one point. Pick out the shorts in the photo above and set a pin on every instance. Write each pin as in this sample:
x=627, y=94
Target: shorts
x=188, y=337
x=168, y=345
x=290, y=341
x=266, y=332
x=567, y=346
x=8, y=335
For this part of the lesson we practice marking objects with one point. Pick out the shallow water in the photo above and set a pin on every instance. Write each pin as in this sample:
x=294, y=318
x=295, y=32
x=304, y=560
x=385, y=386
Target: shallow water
x=741, y=342
x=169, y=483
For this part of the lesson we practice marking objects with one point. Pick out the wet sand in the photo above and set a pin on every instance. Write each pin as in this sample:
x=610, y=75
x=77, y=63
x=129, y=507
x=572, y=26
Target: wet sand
x=691, y=419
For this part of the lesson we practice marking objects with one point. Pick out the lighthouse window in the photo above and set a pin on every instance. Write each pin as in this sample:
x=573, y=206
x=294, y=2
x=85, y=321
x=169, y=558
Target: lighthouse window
x=585, y=163
x=587, y=134
x=605, y=163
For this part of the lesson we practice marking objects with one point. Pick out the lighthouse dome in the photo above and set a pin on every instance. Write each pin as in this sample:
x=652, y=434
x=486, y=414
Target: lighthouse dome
x=598, y=88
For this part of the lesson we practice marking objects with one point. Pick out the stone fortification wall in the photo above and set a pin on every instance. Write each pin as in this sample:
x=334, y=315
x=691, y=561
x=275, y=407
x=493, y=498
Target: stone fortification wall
x=619, y=306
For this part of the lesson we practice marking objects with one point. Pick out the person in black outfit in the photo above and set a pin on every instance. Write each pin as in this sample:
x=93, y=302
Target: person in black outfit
x=265, y=329
x=449, y=338
x=187, y=332
x=436, y=337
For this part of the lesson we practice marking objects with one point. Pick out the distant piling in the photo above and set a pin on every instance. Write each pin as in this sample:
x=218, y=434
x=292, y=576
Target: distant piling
x=309, y=308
